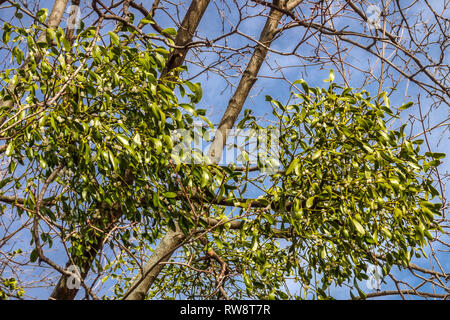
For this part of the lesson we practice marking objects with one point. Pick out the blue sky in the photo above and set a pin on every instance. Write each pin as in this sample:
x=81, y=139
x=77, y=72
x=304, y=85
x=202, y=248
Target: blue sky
x=215, y=102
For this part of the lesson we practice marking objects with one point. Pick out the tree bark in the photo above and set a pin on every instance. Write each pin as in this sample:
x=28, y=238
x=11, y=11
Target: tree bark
x=61, y=291
x=169, y=243
x=248, y=78
x=72, y=22
x=186, y=33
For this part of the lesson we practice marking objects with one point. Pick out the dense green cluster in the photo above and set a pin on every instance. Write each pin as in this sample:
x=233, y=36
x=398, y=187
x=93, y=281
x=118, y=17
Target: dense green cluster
x=102, y=117
x=350, y=192
x=354, y=192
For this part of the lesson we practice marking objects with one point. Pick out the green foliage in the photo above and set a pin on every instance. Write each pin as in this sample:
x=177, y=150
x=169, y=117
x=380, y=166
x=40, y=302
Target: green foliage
x=101, y=115
x=351, y=192
x=352, y=188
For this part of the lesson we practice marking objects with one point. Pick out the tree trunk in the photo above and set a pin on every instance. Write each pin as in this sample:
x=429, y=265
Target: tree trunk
x=61, y=291
x=248, y=79
x=186, y=33
x=169, y=243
